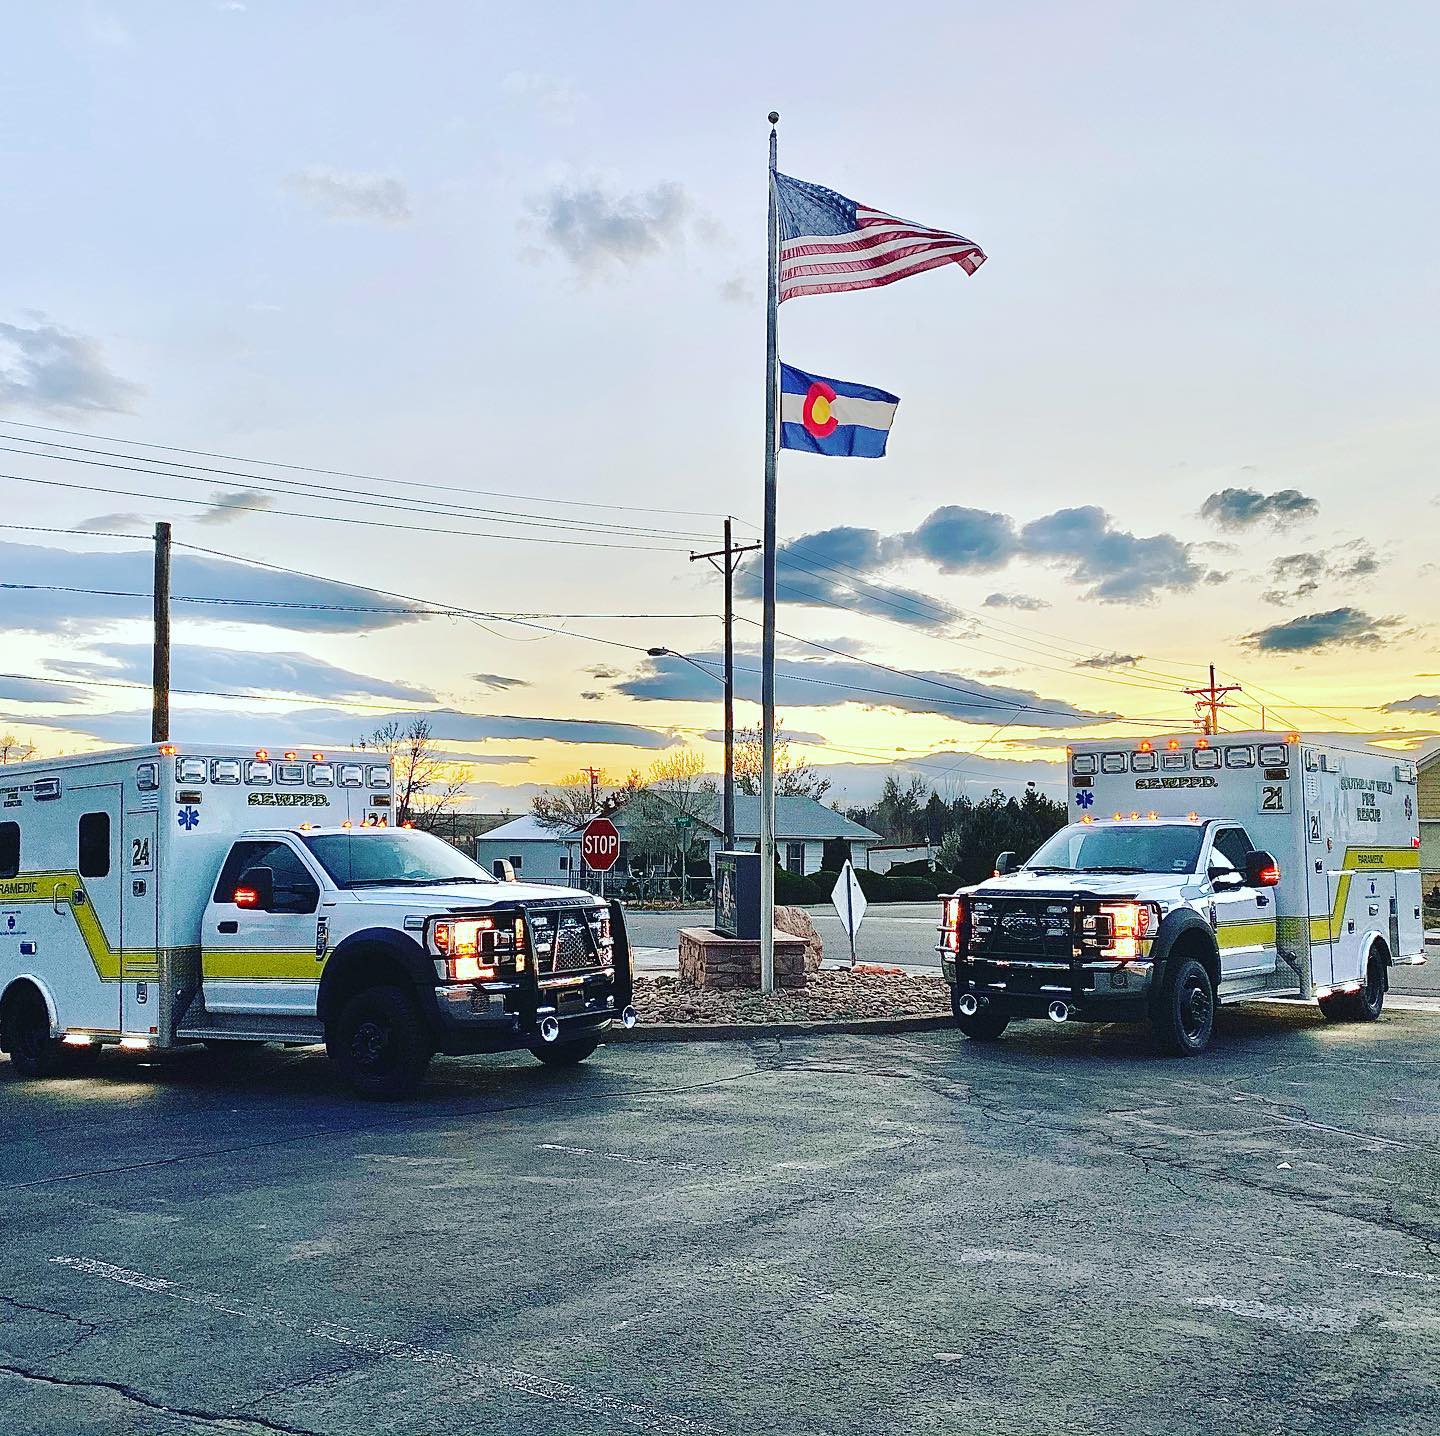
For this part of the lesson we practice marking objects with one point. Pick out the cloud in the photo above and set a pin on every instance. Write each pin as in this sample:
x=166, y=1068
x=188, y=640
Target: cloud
x=111, y=523
x=1335, y=628
x=591, y=695
x=333, y=727
x=227, y=505
x=1110, y=660
x=553, y=98
x=1244, y=508
x=798, y=735
x=737, y=290
x=375, y=199
x=603, y=671
x=1023, y=601
x=207, y=669
x=594, y=229
x=1416, y=703
x=961, y=540
x=829, y=683
x=811, y=570
x=1118, y=566
x=322, y=606
x=49, y=370
x=1295, y=576
x=498, y=681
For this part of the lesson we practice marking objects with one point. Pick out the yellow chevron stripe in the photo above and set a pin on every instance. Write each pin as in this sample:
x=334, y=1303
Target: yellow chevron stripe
x=1246, y=934
x=259, y=965
x=69, y=888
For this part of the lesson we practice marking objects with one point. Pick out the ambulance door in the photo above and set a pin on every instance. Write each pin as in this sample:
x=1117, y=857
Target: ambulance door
x=265, y=961
x=141, y=972
x=95, y=851
x=1244, y=915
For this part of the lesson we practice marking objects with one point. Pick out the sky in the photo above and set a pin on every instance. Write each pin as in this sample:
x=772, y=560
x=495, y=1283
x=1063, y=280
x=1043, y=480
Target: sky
x=458, y=311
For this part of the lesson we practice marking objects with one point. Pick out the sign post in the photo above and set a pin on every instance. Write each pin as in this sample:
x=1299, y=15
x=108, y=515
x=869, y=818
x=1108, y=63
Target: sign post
x=849, y=902
x=599, y=846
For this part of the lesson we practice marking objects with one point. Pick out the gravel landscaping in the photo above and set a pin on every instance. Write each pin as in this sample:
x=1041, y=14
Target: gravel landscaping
x=829, y=996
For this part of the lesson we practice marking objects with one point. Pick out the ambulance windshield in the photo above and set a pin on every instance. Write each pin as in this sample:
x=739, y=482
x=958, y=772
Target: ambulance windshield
x=1128, y=848
x=387, y=857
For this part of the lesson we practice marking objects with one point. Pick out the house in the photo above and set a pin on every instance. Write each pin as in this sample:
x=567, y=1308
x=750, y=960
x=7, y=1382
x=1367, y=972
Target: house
x=1427, y=796
x=803, y=828
x=537, y=853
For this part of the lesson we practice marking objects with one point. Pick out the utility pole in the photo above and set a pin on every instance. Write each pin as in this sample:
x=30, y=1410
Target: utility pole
x=1208, y=702
x=725, y=561
x=160, y=661
x=594, y=775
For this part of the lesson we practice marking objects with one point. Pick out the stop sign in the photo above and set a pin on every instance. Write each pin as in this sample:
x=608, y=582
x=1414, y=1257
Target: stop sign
x=600, y=845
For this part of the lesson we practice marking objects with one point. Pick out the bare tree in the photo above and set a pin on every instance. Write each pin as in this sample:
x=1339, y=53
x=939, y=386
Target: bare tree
x=571, y=802
x=427, y=787
x=13, y=750
x=666, y=814
x=794, y=777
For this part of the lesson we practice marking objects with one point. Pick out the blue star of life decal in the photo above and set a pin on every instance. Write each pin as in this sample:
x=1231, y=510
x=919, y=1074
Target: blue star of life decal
x=188, y=818
x=1084, y=798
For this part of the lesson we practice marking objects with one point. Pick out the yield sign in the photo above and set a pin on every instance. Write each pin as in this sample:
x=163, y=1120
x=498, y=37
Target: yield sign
x=600, y=845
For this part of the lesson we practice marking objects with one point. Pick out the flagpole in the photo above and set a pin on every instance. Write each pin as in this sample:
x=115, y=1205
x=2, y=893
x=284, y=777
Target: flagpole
x=767, y=661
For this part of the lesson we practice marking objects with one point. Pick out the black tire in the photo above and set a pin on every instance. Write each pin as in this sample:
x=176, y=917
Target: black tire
x=565, y=1054
x=33, y=1051
x=1365, y=1005
x=1184, y=1017
x=984, y=1026
x=381, y=1044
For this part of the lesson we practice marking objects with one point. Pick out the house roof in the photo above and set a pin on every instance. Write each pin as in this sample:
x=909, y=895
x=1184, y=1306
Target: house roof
x=526, y=829
x=797, y=819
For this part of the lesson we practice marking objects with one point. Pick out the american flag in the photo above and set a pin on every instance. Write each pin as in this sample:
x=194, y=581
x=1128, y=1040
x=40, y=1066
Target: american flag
x=830, y=244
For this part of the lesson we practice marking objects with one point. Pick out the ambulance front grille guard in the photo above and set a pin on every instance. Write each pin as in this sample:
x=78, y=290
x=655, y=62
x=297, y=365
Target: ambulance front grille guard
x=567, y=942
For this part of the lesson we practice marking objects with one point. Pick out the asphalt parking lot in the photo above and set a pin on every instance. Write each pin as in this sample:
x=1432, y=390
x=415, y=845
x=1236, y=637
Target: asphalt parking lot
x=1063, y=1232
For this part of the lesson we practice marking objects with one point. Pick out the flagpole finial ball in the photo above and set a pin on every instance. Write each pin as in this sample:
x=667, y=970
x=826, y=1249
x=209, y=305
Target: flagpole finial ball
x=774, y=117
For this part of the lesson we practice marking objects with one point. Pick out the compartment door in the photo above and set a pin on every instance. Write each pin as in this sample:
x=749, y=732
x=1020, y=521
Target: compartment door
x=141, y=968
x=1321, y=888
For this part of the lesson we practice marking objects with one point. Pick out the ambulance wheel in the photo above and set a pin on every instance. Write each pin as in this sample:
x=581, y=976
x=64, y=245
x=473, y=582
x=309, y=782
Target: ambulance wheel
x=1364, y=1005
x=381, y=1044
x=1184, y=1018
x=986, y=1025
x=564, y=1054
x=33, y=1051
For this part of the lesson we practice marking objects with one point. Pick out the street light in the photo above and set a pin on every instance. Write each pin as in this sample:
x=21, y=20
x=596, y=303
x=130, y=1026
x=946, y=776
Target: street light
x=729, y=683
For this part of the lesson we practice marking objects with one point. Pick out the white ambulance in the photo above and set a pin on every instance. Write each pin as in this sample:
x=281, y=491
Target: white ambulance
x=1196, y=871
x=160, y=896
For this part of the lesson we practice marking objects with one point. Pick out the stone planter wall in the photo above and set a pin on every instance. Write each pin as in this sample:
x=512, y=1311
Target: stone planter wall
x=711, y=961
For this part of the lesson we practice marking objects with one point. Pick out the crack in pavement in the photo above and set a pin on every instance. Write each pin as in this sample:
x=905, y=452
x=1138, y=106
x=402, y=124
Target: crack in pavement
x=216, y=1420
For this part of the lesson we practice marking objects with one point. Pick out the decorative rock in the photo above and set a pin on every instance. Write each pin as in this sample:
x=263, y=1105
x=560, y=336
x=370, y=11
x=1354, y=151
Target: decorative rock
x=796, y=921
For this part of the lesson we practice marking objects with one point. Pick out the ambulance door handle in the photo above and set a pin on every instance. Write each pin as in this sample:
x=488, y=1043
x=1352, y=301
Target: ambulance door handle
x=228, y=927
x=1261, y=900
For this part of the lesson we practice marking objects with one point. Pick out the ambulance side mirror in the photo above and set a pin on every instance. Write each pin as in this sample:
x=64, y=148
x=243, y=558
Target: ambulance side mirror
x=1005, y=863
x=1261, y=870
x=255, y=890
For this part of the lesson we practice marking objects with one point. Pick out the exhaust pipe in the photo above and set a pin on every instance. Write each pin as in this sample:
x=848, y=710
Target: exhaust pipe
x=629, y=1018
x=1059, y=1012
x=969, y=1005
x=549, y=1030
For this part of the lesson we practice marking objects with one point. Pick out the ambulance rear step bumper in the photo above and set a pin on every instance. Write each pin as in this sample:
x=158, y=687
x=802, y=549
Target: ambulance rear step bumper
x=252, y=1027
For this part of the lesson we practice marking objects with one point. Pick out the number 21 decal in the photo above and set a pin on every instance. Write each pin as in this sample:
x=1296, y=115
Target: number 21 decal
x=1274, y=798
x=1314, y=827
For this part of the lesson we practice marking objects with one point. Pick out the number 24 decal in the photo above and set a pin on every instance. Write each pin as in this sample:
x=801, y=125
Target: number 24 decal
x=139, y=852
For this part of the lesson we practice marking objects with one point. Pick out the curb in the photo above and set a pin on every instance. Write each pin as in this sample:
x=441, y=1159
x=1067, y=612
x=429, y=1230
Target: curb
x=730, y=1031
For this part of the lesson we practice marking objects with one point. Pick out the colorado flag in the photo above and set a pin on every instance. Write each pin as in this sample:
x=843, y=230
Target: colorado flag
x=830, y=416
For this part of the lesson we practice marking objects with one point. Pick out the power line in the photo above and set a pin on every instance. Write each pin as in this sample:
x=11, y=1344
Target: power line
x=327, y=607
x=388, y=525
x=314, y=494
x=348, y=474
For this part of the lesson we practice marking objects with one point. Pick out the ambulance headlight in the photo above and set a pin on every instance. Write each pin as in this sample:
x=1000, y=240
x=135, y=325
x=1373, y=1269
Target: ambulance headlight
x=1120, y=928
